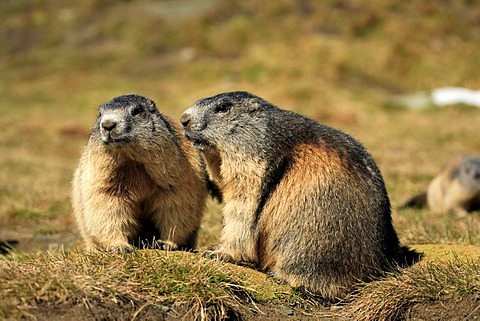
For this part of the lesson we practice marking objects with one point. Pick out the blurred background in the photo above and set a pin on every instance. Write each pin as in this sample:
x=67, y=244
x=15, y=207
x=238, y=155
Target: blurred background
x=344, y=63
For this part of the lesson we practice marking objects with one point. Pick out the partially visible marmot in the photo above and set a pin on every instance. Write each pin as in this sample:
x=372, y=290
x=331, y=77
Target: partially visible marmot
x=456, y=189
x=138, y=182
x=302, y=200
x=7, y=246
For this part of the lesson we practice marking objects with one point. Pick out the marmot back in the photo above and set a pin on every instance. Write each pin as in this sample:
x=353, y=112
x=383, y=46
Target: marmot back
x=302, y=200
x=138, y=182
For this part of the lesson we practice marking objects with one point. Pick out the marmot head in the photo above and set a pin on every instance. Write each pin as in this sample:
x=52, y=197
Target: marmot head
x=470, y=172
x=232, y=118
x=126, y=119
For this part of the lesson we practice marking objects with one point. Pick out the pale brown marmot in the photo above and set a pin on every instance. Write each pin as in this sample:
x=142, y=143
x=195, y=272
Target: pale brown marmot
x=303, y=201
x=455, y=189
x=138, y=182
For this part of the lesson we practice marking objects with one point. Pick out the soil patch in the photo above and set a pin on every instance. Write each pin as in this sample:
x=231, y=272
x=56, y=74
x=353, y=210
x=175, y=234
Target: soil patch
x=466, y=307
x=95, y=309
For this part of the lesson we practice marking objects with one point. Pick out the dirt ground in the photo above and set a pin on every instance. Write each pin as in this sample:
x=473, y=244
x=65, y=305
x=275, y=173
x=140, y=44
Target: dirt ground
x=458, y=308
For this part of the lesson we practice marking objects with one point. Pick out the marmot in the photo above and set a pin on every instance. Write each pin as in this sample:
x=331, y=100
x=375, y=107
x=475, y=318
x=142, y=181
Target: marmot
x=303, y=201
x=139, y=182
x=456, y=189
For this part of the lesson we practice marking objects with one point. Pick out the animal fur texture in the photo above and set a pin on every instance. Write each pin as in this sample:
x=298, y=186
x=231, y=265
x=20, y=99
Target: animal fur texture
x=138, y=181
x=303, y=201
x=455, y=189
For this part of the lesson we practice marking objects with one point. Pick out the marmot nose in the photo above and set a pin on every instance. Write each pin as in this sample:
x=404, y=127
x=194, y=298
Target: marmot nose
x=185, y=119
x=108, y=124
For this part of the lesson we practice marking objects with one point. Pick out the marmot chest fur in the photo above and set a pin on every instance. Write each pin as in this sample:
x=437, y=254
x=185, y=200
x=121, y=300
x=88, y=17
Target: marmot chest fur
x=138, y=181
x=302, y=200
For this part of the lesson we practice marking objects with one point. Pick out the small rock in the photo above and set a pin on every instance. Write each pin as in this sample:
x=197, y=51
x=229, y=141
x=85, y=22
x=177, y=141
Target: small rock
x=286, y=310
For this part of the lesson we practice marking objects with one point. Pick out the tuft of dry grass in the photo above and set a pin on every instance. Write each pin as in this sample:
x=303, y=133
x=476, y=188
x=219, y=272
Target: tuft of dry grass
x=390, y=298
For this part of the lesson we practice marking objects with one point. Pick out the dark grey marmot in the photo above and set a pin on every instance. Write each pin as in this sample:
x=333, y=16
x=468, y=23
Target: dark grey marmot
x=303, y=201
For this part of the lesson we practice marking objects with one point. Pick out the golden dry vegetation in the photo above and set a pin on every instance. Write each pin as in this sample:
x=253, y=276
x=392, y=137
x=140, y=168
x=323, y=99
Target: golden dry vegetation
x=339, y=62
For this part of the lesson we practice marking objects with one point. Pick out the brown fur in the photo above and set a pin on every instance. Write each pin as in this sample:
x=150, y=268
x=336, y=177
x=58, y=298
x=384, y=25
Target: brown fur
x=302, y=200
x=148, y=191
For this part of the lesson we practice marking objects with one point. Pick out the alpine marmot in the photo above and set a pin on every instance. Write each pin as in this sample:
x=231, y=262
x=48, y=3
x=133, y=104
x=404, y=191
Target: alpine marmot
x=455, y=189
x=303, y=201
x=138, y=182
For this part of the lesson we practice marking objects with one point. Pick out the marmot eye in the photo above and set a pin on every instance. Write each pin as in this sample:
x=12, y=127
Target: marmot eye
x=136, y=111
x=223, y=107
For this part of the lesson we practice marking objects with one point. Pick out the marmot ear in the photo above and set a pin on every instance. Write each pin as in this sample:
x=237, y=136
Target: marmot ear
x=151, y=105
x=254, y=105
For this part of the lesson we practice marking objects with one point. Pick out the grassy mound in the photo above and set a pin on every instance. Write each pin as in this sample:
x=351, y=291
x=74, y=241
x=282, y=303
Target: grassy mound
x=150, y=283
x=446, y=275
x=175, y=282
